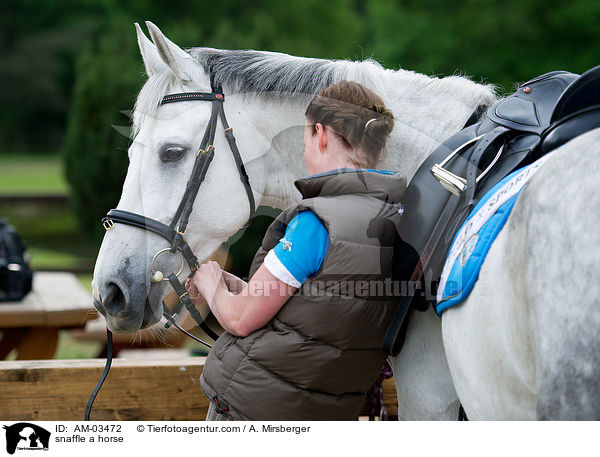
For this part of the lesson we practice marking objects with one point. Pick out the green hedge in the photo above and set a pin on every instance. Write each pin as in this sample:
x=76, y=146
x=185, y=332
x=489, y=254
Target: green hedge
x=109, y=74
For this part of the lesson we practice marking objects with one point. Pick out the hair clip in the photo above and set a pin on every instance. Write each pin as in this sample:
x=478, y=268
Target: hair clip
x=369, y=121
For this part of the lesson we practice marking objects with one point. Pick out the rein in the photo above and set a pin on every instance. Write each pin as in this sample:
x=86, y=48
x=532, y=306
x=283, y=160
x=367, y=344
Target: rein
x=174, y=232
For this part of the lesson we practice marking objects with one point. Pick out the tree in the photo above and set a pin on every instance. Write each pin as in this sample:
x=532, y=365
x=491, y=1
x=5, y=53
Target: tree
x=109, y=74
x=498, y=42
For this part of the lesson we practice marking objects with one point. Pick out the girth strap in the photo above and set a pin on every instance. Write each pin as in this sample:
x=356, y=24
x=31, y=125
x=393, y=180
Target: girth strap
x=394, y=340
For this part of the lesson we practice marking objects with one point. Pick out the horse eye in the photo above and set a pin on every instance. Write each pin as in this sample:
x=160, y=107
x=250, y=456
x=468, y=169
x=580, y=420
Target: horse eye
x=171, y=153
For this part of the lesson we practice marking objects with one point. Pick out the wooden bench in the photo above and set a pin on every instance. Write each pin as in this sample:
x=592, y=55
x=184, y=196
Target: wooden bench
x=31, y=326
x=58, y=390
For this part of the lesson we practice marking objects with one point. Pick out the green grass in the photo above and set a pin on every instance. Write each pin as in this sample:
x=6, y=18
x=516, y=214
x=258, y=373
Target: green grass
x=70, y=348
x=50, y=230
x=31, y=174
x=86, y=281
x=42, y=259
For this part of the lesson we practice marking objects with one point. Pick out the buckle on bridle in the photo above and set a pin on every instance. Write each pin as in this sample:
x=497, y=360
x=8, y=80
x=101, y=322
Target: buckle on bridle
x=210, y=148
x=108, y=224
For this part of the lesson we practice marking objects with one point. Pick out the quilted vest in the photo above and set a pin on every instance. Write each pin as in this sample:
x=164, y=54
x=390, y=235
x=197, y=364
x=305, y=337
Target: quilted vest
x=319, y=355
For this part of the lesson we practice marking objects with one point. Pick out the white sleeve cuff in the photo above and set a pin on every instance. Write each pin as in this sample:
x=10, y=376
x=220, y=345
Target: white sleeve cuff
x=277, y=269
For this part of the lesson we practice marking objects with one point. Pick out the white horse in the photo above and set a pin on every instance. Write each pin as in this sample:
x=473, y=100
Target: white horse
x=522, y=346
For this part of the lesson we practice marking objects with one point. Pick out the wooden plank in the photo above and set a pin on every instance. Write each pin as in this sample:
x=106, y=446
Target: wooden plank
x=39, y=343
x=25, y=313
x=65, y=300
x=57, y=300
x=154, y=353
x=11, y=338
x=134, y=390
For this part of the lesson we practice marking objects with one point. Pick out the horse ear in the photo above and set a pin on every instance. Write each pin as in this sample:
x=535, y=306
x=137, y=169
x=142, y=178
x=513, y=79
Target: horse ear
x=178, y=61
x=152, y=60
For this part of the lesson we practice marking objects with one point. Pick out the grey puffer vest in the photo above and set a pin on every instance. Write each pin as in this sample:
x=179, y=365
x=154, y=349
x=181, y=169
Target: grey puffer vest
x=316, y=359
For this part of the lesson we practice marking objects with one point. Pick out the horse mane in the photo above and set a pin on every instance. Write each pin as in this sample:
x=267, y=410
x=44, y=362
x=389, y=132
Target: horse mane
x=248, y=71
x=252, y=73
x=258, y=73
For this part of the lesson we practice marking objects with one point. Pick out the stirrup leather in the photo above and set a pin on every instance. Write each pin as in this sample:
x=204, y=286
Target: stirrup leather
x=452, y=182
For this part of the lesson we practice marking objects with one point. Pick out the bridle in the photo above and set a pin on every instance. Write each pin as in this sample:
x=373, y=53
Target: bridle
x=174, y=232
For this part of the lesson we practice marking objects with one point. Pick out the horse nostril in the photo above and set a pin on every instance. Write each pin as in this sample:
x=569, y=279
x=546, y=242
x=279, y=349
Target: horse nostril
x=114, y=301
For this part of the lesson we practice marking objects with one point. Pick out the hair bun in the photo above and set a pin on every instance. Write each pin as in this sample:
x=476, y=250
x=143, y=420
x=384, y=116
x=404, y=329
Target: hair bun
x=358, y=115
x=369, y=121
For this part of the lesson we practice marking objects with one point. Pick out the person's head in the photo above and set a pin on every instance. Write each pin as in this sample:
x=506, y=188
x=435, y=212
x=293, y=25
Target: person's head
x=347, y=125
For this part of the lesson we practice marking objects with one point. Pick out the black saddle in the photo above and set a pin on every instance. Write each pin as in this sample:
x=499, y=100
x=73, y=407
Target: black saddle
x=542, y=114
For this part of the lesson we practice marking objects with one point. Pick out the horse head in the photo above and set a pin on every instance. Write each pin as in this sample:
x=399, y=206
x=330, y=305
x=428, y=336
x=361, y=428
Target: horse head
x=167, y=140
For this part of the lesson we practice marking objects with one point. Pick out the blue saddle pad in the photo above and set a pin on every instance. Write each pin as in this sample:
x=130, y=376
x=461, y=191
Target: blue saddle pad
x=475, y=237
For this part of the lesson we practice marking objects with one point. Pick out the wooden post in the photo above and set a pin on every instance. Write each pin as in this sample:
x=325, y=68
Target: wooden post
x=135, y=389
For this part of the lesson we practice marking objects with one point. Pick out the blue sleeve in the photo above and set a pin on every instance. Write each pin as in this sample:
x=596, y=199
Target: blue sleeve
x=303, y=248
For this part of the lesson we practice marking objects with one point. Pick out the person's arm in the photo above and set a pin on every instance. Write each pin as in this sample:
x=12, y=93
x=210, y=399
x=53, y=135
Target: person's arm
x=234, y=284
x=241, y=314
x=297, y=256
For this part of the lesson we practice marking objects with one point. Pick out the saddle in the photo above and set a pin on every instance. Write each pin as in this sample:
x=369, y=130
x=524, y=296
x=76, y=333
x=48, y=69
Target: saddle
x=543, y=114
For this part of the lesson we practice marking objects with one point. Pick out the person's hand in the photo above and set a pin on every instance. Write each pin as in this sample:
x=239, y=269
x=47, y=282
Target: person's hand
x=194, y=294
x=205, y=281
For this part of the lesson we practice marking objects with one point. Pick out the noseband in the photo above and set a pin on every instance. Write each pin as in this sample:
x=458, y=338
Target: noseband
x=174, y=232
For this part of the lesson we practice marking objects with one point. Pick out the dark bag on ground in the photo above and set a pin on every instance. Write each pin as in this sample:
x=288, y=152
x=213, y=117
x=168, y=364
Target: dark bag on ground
x=15, y=272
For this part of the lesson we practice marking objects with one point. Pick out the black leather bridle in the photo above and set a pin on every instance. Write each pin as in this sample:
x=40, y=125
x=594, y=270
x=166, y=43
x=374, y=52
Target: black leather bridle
x=174, y=232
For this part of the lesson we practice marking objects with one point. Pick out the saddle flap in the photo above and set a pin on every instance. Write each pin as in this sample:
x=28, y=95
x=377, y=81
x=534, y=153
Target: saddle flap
x=518, y=110
x=530, y=108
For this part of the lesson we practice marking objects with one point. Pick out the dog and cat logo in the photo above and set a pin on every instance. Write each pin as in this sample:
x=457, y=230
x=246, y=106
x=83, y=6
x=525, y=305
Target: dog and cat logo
x=26, y=436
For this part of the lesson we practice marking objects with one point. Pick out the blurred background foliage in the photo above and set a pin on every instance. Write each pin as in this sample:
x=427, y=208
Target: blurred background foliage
x=71, y=69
